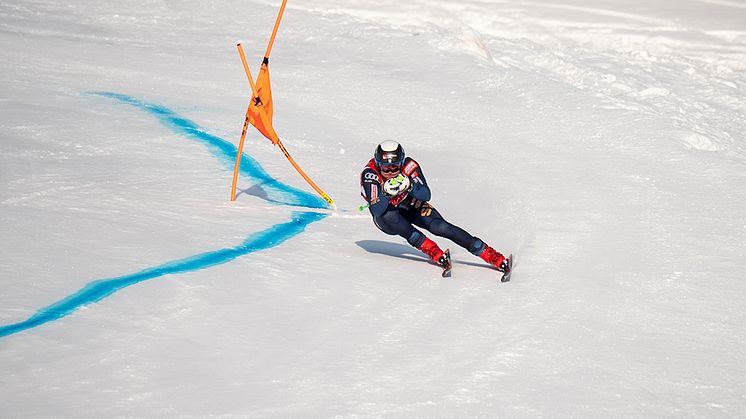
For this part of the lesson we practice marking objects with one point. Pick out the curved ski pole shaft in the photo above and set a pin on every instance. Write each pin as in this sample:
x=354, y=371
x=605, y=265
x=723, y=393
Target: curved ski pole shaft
x=303, y=174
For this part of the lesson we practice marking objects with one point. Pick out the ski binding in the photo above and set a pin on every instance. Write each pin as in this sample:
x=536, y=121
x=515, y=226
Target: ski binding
x=446, y=264
x=509, y=264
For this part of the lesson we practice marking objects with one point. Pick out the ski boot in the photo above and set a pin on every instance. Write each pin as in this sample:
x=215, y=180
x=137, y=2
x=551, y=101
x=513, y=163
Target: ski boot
x=439, y=257
x=496, y=259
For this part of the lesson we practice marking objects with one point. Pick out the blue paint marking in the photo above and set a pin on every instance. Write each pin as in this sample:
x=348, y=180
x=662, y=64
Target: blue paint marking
x=276, y=192
x=98, y=290
x=273, y=190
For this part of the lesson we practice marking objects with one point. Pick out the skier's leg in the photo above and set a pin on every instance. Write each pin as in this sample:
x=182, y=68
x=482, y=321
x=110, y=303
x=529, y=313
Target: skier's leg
x=392, y=222
x=430, y=219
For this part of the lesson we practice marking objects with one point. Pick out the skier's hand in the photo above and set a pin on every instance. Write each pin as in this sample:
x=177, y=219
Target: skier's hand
x=397, y=185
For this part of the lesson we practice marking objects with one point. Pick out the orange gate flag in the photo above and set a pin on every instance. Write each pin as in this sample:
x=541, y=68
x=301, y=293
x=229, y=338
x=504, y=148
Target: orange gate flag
x=260, y=108
x=259, y=113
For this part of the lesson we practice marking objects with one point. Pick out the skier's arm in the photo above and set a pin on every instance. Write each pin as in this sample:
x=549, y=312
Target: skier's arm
x=371, y=190
x=420, y=190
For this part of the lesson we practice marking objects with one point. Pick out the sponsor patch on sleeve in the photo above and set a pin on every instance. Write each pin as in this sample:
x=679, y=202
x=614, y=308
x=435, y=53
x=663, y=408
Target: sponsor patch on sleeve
x=410, y=167
x=371, y=177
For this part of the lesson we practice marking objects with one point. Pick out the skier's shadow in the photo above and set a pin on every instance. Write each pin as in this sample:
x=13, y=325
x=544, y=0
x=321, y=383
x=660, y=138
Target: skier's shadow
x=392, y=249
x=401, y=251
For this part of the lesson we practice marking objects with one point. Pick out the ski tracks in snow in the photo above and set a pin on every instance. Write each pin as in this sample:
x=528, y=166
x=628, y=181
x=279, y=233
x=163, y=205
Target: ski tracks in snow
x=660, y=66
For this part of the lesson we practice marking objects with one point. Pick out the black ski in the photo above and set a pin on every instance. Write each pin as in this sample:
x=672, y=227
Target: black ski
x=506, y=274
x=446, y=264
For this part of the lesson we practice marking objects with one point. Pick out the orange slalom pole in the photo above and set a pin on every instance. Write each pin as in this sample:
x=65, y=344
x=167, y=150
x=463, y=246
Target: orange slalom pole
x=274, y=30
x=245, y=125
x=238, y=156
x=303, y=174
x=246, y=68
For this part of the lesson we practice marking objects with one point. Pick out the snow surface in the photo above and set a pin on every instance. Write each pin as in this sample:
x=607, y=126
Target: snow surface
x=602, y=143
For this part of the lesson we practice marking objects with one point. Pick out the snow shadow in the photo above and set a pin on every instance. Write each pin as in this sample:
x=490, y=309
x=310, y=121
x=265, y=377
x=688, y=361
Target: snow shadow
x=392, y=249
x=403, y=251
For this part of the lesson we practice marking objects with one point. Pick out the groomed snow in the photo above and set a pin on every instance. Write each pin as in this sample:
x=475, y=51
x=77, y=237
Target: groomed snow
x=602, y=143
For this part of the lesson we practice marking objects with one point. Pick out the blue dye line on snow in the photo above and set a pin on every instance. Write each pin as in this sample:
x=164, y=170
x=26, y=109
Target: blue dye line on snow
x=276, y=192
x=98, y=290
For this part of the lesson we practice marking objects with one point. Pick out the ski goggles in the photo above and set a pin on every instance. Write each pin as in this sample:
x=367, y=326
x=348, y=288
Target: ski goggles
x=390, y=168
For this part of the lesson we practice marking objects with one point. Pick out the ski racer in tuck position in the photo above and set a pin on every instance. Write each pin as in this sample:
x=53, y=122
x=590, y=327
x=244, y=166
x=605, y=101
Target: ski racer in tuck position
x=397, y=195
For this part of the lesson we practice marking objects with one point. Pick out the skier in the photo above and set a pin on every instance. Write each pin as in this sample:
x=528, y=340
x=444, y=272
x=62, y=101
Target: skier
x=397, y=195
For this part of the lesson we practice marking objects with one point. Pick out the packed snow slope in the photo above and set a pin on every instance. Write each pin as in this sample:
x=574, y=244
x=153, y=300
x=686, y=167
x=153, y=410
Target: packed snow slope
x=602, y=143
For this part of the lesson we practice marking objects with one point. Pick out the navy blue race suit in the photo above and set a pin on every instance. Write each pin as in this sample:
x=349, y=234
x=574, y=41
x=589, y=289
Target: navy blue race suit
x=400, y=214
